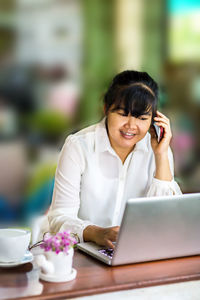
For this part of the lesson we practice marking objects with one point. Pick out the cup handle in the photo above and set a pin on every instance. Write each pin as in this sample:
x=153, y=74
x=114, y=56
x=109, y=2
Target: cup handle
x=45, y=265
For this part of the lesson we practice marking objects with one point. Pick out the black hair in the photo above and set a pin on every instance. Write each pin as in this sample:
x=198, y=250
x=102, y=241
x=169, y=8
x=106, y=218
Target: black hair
x=132, y=91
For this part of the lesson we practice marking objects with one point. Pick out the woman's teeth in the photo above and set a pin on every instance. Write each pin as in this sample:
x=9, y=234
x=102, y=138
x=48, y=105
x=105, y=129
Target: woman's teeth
x=127, y=133
x=130, y=134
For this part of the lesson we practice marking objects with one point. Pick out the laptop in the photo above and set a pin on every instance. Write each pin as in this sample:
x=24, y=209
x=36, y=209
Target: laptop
x=153, y=228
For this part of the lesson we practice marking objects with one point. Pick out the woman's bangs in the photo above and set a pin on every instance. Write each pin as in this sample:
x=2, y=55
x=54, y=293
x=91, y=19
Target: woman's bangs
x=136, y=102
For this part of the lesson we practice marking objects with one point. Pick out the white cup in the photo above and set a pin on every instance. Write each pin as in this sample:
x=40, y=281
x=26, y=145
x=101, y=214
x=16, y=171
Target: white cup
x=13, y=244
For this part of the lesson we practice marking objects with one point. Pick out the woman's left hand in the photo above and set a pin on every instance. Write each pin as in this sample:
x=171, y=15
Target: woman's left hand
x=161, y=147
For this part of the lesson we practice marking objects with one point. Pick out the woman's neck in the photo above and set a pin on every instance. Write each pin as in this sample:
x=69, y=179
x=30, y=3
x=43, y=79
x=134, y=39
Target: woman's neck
x=123, y=153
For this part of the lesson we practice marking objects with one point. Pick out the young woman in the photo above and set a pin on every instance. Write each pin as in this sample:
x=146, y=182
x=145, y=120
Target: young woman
x=102, y=166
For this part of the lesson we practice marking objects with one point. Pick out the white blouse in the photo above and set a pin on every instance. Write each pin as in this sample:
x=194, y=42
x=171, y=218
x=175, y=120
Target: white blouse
x=92, y=185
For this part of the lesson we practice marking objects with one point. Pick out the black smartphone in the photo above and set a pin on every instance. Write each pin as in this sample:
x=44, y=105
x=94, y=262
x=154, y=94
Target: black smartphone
x=159, y=131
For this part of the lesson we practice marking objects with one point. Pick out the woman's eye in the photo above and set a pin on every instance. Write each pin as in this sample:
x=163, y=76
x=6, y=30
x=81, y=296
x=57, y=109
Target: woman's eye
x=143, y=118
x=122, y=114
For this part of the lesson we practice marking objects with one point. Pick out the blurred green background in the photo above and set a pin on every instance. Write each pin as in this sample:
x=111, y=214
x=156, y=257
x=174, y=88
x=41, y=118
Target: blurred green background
x=57, y=58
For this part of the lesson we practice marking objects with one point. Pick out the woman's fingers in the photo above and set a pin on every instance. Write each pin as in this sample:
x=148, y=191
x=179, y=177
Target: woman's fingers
x=109, y=244
x=111, y=236
x=165, y=126
x=167, y=131
x=112, y=233
x=161, y=124
x=162, y=121
x=101, y=236
x=161, y=115
x=161, y=146
x=157, y=119
x=115, y=228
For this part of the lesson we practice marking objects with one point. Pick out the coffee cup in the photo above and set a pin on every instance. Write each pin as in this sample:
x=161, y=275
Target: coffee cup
x=13, y=244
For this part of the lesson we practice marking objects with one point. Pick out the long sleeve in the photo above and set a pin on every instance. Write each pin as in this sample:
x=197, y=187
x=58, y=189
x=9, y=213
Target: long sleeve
x=162, y=187
x=63, y=213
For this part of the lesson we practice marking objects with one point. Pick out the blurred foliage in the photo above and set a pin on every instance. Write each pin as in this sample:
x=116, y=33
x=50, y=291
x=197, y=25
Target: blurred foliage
x=99, y=63
x=153, y=39
x=50, y=124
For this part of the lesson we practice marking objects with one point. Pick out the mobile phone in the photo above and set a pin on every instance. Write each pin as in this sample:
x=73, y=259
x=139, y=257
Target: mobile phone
x=159, y=132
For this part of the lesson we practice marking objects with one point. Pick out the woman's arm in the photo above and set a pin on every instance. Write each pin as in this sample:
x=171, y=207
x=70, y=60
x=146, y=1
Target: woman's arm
x=163, y=171
x=161, y=187
x=161, y=148
x=63, y=213
x=163, y=182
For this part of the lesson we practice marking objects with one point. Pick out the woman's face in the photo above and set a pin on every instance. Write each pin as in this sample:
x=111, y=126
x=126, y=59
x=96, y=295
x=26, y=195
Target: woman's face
x=125, y=130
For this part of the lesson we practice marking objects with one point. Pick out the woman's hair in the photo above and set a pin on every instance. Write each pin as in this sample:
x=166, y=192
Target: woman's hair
x=134, y=92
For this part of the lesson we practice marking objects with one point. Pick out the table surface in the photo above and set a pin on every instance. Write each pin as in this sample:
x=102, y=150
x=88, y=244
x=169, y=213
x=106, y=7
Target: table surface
x=94, y=277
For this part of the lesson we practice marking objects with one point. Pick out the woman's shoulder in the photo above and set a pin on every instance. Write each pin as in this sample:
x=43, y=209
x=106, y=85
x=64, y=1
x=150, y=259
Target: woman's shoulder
x=87, y=131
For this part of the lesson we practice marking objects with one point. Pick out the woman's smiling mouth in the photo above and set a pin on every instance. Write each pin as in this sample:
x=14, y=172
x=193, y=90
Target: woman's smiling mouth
x=127, y=135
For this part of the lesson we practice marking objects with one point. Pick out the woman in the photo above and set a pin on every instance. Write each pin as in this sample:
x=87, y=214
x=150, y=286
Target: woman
x=102, y=166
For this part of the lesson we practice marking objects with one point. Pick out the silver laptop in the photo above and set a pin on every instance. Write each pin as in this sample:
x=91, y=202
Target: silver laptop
x=154, y=228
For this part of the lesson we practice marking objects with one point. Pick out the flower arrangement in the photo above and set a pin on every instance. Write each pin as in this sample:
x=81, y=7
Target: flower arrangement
x=60, y=242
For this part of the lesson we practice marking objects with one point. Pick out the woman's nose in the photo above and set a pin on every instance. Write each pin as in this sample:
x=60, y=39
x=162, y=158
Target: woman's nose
x=131, y=122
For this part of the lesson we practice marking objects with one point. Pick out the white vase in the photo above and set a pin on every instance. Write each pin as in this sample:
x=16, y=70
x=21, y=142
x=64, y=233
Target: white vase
x=56, y=267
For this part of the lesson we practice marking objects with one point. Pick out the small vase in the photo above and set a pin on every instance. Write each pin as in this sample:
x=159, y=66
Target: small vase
x=56, y=267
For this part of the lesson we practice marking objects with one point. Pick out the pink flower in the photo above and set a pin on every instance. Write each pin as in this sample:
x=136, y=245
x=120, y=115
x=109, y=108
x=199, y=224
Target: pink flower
x=61, y=242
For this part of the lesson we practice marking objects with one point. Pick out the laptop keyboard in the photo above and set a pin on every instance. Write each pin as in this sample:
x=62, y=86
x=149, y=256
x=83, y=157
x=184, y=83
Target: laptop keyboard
x=107, y=252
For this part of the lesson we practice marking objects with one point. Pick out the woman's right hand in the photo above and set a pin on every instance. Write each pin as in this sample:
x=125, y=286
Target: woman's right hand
x=101, y=236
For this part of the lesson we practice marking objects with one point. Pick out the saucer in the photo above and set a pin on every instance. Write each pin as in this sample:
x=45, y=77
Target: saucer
x=28, y=257
x=56, y=278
